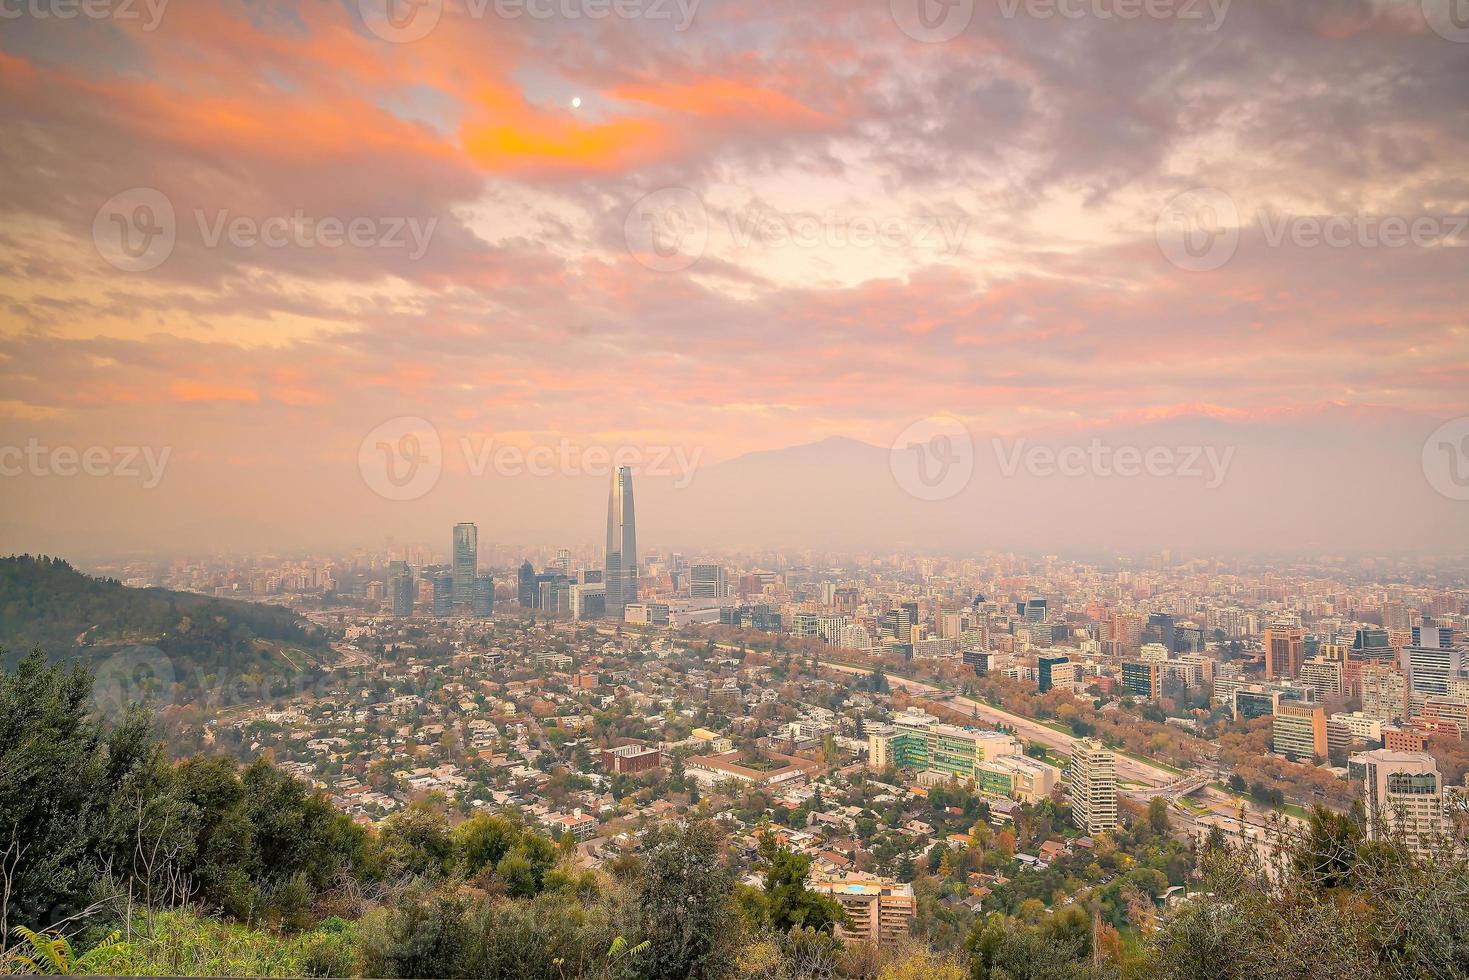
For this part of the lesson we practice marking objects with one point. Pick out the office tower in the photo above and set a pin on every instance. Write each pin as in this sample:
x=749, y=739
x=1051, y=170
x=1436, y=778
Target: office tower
x=1285, y=650
x=555, y=594
x=526, y=592
x=466, y=564
x=707, y=582
x=1044, y=672
x=563, y=561
x=1432, y=660
x=443, y=593
x=622, y=545
x=1371, y=643
x=1299, y=731
x=588, y=600
x=1091, y=783
x=878, y=911
x=1160, y=630
x=1402, y=792
x=400, y=588
x=483, y=605
x=1142, y=679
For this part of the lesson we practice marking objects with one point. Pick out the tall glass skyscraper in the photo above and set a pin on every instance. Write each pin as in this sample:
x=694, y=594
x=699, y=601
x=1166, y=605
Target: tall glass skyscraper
x=466, y=563
x=622, y=545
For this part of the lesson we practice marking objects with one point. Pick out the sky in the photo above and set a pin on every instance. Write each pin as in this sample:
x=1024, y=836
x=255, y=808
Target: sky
x=251, y=251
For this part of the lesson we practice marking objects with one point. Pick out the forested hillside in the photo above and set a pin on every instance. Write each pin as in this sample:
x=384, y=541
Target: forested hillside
x=206, y=643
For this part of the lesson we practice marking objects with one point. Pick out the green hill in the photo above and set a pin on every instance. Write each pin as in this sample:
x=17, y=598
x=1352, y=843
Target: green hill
x=208, y=642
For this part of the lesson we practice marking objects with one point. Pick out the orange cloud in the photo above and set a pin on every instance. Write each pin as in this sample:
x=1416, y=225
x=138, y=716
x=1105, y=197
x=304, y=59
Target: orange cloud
x=194, y=391
x=516, y=137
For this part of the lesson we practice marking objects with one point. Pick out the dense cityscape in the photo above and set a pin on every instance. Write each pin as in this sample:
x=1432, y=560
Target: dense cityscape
x=940, y=738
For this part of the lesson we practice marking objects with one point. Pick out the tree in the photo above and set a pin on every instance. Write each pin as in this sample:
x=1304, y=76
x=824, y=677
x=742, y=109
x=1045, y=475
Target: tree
x=1158, y=821
x=791, y=904
x=684, y=896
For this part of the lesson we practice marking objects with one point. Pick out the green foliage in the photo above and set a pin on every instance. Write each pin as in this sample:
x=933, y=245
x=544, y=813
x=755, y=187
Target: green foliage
x=184, y=944
x=64, y=788
x=790, y=904
x=124, y=821
x=45, y=603
x=52, y=954
x=1339, y=905
x=684, y=895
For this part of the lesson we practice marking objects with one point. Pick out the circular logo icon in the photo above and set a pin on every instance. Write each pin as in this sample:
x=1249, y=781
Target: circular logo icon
x=932, y=21
x=402, y=458
x=135, y=231
x=401, y=21
x=1198, y=230
x=139, y=674
x=667, y=230
x=933, y=459
x=1448, y=18
x=1446, y=459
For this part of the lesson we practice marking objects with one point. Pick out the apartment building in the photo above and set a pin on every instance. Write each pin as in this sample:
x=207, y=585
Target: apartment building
x=881, y=911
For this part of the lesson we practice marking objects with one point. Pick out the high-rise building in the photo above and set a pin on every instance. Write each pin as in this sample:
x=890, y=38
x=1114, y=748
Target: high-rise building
x=483, y=605
x=622, y=545
x=1402, y=792
x=1431, y=661
x=443, y=593
x=400, y=588
x=1384, y=692
x=708, y=582
x=466, y=564
x=1299, y=730
x=1142, y=679
x=1285, y=650
x=1091, y=783
x=1044, y=668
x=527, y=590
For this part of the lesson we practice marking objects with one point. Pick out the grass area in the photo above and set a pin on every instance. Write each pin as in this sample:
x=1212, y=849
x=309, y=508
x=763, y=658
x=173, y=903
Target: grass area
x=182, y=944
